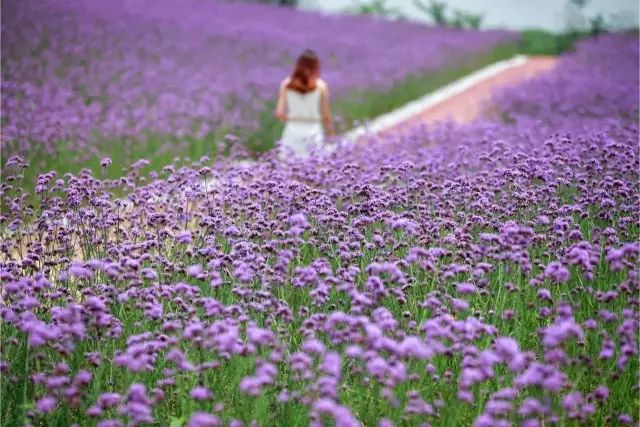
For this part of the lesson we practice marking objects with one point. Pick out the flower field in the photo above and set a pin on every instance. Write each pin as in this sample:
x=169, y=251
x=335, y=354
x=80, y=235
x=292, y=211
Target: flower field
x=82, y=79
x=482, y=274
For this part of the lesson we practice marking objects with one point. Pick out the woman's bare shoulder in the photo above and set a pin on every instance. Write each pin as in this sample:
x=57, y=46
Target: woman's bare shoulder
x=322, y=84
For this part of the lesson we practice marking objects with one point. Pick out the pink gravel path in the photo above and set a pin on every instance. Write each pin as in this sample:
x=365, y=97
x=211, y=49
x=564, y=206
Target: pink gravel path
x=475, y=101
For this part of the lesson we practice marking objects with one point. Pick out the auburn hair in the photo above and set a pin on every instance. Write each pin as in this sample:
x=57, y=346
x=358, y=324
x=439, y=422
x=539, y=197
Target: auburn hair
x=303, y=77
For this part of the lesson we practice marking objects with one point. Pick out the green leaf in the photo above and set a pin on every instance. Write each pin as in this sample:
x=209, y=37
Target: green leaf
x=177, y=422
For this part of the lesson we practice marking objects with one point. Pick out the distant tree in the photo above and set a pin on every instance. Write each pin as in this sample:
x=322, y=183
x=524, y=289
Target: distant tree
x=465, y=20
x=378, y=8
x=437, y=11
x=579, y=3
x=458, y=20
x=279, y=2
x=597, y=25
x=592, y=26
x=473, y=20
x=574, y=15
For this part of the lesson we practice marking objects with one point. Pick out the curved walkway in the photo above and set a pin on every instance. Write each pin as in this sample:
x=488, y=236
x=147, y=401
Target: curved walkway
x=475, y=101
x=461, y=101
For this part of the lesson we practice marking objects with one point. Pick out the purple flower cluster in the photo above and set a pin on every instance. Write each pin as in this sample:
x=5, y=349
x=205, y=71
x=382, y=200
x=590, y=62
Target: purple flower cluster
x=482, y=274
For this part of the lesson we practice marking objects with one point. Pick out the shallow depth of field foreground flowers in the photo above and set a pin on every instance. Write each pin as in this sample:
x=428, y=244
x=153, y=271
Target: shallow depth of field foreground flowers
x=484, y=274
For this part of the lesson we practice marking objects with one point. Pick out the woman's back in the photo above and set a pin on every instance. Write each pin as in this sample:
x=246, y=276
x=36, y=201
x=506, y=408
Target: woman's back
x=305, y=106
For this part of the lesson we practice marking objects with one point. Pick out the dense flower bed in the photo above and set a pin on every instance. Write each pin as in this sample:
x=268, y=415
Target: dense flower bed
x=119, y=69
x=484, y=274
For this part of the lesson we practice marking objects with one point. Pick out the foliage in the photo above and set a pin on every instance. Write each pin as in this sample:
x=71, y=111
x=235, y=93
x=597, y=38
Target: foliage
x=438, y=13
x=376, y=7
x=540, y=42
x=278, y=2
x=437, y=10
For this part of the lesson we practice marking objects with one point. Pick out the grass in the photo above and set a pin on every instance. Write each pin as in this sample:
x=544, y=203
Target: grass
x=540, y=42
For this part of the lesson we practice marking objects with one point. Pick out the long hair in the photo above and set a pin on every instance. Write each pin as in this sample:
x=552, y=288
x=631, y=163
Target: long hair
x=307, y=66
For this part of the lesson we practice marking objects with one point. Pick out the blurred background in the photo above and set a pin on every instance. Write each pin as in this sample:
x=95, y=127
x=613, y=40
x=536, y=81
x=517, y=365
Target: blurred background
x=550, y=15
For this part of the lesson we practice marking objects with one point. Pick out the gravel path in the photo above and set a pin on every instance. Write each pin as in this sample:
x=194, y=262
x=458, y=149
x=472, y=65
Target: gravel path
x=474, y=101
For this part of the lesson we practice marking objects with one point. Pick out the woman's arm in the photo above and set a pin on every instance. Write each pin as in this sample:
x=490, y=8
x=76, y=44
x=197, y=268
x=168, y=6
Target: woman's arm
x=281, y=108
x=326, y=111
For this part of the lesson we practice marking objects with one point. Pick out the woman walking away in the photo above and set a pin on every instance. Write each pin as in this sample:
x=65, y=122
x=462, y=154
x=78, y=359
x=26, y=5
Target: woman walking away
x=303, y=104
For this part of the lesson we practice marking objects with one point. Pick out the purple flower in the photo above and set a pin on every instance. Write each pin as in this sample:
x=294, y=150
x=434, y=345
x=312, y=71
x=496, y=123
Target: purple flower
x=601, y=393
x=415, y=348
x=341, y=415
x=459, y=305
x=149, y=274
x=508, y=350
x=46, y=404
x=625, y=419
x=109, y=423
x=531, y=406
x=313, y=346
x=572, y=401
x=195, y=271
x=243, y=273
x=138, y=405
x=200, y=393
x=466, y=288
x=557, y=272
x=232, y=230
x=184, y=237
x=81, y=272
x=409, y=226
x=108, y=400
x=202, y=419
x=560, y=331
x=544, y=295
x=331, y=364
x=298, y=220
x=83, y=378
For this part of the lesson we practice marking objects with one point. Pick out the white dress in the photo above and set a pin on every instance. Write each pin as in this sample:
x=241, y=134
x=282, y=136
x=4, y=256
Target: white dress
x=303, y=131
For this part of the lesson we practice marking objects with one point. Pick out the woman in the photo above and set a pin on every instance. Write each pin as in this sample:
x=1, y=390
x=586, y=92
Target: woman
x=303, y=104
